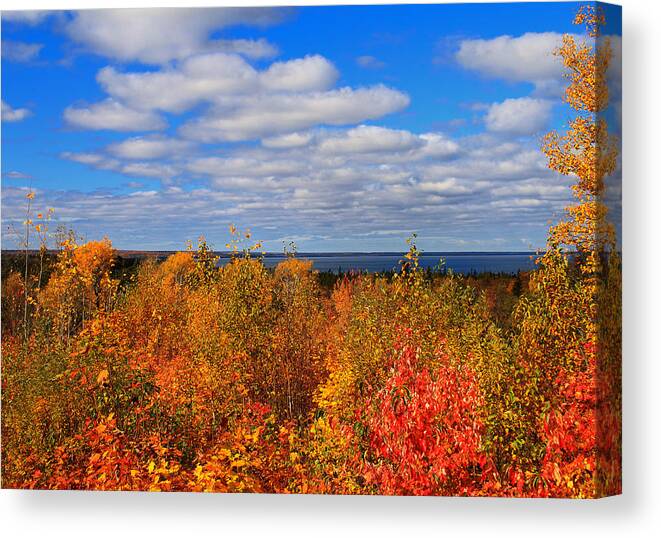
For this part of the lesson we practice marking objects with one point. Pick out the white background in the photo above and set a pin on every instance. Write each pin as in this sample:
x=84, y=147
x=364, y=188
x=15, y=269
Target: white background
x=636, y=513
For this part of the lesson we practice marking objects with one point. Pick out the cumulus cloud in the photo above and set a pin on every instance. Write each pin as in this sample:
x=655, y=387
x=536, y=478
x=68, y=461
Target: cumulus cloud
x=522, y=116
x=311, y=73
x=149, y=147
x=112, y=115
x=272, y=114
x=527, y=58
x=95, y=160
x=437, y=146
x=446, y=187
x=162, y=171
x=243, y=102
x=355, y=156
x=212, y=77
x=17, y=51
x=290, y=140
x=370, y=139
x=246, y=167
x=478, y=162
x=178, y=89
x=250, y=48
x=370, y=144
x=305, y=155
x=533, y=188
x=530, y=58
x=477, y=185
x=10, y=114
x=156, y=36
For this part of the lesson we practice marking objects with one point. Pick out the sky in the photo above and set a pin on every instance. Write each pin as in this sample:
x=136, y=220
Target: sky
x=338, y=128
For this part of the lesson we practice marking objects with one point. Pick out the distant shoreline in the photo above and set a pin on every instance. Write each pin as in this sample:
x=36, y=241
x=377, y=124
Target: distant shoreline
x=227, y=254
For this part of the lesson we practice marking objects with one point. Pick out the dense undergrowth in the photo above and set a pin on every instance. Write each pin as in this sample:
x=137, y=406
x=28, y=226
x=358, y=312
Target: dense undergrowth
x=187, y=376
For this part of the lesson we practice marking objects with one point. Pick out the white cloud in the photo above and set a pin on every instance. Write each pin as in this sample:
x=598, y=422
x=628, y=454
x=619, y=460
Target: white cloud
x=527, y=58
x=615, y=67
x=438, y=146
x=245, y=103
x=614, y=75
x=153, y=170
x=268, y=115
x=200, y=78
x=530, y=58
x=112, y=116
x=482, y=185
x=291, y=140
x=369, y=139
x=246, y=167
x=369, y=143
x=445, y=187
x=370, y=62
x=534, y=187
x=148, y=147
x=478, y=162
x=317, y=166
x=30, y=17
x=324, y=156
x=213, y=77
x=522, y=116
x=17, y=51
x=156, y=36
x=162, y=171
x=250, y=48
x=96, y=160
x=10, y=114
x=312, y=73
x=15, y=174
x=83, y=158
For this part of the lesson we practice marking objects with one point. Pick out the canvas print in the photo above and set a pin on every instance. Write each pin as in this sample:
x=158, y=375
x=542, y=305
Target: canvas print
x=349, y=250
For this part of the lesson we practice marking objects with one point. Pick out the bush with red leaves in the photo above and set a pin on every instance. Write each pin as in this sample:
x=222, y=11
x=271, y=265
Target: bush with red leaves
x=423, y=431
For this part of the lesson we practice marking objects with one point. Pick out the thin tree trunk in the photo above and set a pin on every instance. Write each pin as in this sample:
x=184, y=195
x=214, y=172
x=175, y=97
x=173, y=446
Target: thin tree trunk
x=25, y=276
x=41, y=266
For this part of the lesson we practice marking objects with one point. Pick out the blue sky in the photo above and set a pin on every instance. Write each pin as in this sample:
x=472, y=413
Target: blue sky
x=339, y=128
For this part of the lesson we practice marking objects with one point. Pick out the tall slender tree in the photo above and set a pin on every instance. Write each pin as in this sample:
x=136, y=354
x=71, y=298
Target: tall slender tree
x=570, y=322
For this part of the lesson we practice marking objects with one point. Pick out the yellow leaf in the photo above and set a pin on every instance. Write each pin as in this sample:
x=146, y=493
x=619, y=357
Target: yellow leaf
x=102, y=377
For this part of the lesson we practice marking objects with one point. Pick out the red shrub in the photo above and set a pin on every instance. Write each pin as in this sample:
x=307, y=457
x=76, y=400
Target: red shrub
x=423, y=431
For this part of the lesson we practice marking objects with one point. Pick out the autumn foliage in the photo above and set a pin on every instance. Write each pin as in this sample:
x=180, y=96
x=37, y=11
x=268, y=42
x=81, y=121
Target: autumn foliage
x=422, y=436
x=188, y=375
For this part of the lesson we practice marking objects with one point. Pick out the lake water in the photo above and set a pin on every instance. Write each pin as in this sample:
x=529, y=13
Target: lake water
x=465, y=263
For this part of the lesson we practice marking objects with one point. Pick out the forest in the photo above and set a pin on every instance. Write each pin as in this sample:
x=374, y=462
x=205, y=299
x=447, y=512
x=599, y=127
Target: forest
x=183, y=375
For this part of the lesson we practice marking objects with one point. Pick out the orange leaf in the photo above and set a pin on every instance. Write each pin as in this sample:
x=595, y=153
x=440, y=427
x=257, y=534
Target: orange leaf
x=102, y=377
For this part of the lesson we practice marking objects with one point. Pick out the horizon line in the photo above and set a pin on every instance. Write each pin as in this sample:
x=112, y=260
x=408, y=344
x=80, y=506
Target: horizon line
x=298, y=253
